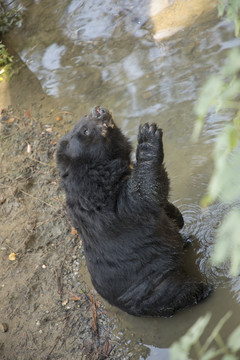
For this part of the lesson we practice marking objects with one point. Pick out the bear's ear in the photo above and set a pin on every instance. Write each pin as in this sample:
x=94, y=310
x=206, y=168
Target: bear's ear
x=62, y=157
x=69, y=148
x=63, y=162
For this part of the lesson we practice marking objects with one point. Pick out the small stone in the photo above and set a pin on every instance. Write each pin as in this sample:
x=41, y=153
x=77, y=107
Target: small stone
x=64, y=303
x=29, y=149
x=4, y=327
x=12, y=257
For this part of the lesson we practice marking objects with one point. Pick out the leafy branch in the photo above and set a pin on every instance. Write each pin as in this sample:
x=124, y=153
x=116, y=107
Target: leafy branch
x=221, y=93
x=232, y=9
x=212, y=347
x=9, y=17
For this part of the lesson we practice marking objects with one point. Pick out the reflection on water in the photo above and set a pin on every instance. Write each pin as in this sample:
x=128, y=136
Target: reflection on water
x=89, y=20
x=157, y=354
x=103, y=52
x=100, y=52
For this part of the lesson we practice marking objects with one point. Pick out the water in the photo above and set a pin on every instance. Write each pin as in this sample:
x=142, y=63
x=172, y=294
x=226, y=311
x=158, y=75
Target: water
x=84, y=53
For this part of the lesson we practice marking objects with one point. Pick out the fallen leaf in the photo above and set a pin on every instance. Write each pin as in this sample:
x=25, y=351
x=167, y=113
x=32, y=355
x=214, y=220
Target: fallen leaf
x=147, y=95
x=58, y=118
x=12, y=257
x=98, y=304
x=2, y=201
x=11, y=120
x=27, y=114
x=74, y=231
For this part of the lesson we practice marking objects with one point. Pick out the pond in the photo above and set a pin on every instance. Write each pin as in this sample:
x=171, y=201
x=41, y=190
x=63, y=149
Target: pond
x=84, y=53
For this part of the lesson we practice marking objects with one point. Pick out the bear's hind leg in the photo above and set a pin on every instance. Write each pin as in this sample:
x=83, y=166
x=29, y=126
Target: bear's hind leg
x=177, y=291
x=174, y=213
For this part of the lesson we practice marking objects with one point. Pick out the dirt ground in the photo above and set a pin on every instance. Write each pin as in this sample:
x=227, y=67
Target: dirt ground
x=46, y=309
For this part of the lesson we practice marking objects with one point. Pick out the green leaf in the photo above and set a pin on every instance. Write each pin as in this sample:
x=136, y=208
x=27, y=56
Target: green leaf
x=230, y=357
x=229, y=181
x=224, y=182
x=215, y=184
x=177, y=353
x=237, y=27
x=216, y=330
x=195, y=332
x=228, y=242
x=232, y=10
x=210, y=354
x=180, y=349
x=232, y=65
x=236, y=121
x=197, y=128
x=234, y=340
x=209, y=95
x=221, y=7
x=206, y=200
x=233, y=138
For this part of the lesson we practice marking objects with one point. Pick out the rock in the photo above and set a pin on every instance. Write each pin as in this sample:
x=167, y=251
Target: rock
x=4, y=327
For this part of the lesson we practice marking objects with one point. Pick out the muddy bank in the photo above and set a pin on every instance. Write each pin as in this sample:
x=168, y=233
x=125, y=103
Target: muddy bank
x=47, y=311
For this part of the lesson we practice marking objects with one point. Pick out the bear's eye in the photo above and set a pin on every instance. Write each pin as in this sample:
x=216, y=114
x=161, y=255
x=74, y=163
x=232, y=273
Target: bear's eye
x=86, y=131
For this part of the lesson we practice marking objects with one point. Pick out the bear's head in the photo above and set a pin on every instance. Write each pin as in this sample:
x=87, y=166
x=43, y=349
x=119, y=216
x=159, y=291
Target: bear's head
x=95, y=138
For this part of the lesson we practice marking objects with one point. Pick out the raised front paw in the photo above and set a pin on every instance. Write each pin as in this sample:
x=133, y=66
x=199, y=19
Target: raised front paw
x=150, y=142
x=150, y=133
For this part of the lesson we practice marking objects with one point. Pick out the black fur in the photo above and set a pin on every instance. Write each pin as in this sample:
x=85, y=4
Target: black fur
x=130, y=231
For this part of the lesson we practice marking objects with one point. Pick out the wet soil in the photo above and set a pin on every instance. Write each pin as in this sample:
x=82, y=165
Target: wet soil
x=47, y=311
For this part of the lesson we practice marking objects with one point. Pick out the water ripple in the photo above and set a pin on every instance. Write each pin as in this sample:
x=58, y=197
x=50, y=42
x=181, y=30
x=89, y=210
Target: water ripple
x=203, y=223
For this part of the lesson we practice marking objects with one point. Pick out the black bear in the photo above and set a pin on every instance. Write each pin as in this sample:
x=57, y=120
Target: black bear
x=130, y=231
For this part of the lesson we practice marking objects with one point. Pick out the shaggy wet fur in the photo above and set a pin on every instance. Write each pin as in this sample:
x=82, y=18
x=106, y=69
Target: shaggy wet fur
x=130, y=231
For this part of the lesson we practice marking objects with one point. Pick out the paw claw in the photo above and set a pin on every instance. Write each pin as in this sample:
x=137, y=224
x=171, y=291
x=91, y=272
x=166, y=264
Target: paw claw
x=153, y=129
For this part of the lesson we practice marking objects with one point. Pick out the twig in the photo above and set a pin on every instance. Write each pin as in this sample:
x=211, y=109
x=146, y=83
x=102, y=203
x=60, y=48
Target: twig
x=94, y=315
x=7, y=136
x=40, y=162
x=16, y=117
x=64, y=112
x=44, y=222
x=54, y=346
x=34, y=197
x=107, y=347
x=59, y=279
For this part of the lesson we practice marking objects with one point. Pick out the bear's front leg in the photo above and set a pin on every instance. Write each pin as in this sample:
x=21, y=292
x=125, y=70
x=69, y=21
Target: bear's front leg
x=149, y=180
